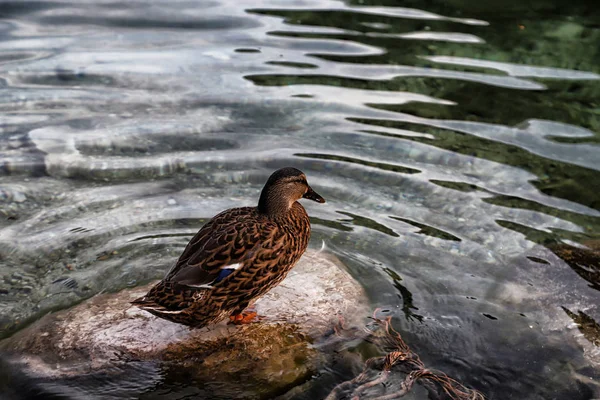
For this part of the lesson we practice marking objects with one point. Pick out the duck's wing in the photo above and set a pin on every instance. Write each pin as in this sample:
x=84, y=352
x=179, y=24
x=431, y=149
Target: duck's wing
x=221, y=247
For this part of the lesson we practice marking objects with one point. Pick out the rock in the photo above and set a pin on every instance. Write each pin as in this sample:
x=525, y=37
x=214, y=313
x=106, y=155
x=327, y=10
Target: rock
x=273, y=355
x=19, y=197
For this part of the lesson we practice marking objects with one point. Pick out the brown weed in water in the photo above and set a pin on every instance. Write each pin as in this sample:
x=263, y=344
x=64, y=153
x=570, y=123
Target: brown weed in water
x=399, y=359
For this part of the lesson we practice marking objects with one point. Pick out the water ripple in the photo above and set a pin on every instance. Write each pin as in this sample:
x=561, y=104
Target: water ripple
x=457, y=147
x=516, y=69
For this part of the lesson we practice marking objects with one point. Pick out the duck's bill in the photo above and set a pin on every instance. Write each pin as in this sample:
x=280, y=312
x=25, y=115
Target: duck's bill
x=314, y=196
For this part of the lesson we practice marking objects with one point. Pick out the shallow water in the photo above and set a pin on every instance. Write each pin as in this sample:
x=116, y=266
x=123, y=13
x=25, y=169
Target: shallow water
x=455, y=141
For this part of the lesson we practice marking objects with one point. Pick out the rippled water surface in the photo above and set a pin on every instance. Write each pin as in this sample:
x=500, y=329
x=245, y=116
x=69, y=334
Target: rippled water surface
x=456, y=142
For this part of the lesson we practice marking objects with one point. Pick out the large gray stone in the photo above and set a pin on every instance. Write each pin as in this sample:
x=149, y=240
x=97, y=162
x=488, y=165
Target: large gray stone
x=105, y=331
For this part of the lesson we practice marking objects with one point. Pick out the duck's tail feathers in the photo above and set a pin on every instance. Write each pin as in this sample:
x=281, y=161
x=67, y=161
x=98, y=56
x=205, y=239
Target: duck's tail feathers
x=143, y=301
x=154, y=308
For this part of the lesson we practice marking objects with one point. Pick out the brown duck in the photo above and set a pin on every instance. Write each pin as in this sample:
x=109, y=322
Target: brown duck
x=238, y=256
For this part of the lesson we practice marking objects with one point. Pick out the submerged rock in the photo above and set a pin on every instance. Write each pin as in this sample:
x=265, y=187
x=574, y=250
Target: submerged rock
x=105, y=332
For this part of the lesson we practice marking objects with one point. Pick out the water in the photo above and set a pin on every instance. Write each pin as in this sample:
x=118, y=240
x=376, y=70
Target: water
x=455, y=141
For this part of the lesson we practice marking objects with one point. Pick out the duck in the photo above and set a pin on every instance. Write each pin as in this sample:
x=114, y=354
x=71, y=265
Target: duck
x=236, y=257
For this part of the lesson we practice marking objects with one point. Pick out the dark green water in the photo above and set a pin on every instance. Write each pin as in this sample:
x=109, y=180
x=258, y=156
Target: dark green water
x=455, y=141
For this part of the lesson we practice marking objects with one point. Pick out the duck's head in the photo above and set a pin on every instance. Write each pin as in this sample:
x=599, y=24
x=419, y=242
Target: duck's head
x=284, y=187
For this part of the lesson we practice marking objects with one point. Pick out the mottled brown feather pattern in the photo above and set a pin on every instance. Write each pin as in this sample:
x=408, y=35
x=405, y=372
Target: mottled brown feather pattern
x=265, y=246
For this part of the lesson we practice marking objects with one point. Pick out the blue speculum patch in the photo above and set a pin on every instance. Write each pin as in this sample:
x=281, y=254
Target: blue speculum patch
x=224, y=273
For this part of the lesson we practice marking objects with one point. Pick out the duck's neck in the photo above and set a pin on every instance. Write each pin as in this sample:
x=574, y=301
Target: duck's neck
x=273, y=204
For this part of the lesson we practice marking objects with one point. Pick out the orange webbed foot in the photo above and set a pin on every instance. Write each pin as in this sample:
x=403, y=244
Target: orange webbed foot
x=245, y=317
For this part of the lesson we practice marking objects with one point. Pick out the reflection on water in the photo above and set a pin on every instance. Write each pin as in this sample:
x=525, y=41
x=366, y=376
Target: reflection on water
x=456, y=143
